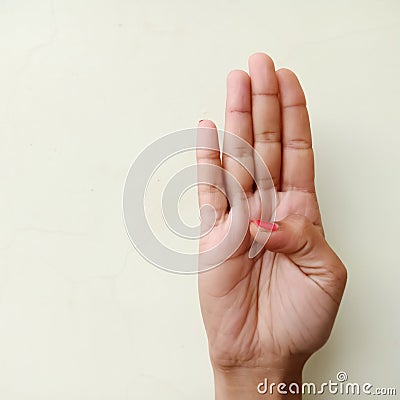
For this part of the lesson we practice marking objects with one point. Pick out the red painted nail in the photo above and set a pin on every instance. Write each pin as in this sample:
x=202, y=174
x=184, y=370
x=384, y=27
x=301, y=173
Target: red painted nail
x=268, y=226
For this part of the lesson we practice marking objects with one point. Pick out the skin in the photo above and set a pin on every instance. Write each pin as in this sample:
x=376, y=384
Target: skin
x=265, y=316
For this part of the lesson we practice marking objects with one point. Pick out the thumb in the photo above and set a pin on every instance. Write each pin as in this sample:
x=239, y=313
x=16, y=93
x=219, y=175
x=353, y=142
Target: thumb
x=304, y=244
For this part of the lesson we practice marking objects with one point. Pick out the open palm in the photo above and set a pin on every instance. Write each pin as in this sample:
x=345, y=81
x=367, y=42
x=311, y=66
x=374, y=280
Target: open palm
x=278, y=307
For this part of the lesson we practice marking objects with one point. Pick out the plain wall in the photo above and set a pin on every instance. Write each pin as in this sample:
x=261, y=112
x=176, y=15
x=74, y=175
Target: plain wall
x=84, y=87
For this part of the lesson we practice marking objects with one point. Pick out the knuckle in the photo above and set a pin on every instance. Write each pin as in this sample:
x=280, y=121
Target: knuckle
x=268, y=137
x=298, y=144
x=342, y=272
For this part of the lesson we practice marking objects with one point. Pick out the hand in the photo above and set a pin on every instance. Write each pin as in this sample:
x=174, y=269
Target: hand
x=265, y=316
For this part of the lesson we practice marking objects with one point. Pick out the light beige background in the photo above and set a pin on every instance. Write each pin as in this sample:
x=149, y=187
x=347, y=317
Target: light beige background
x=84, y=87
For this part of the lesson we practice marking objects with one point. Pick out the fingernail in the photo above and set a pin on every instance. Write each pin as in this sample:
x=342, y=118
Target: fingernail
x=268, y=226
x=200, y=120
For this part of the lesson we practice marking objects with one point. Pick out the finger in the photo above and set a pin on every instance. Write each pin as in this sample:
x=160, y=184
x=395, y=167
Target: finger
x=297, y=171
x=237, y=152
x=209, y=170
x=266, y=115
x=305, y=245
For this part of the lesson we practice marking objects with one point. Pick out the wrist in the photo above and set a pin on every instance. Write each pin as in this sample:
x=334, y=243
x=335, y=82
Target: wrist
x=258, y=383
